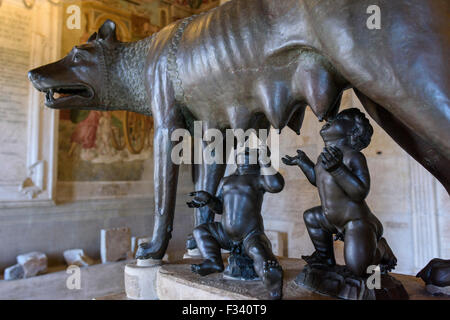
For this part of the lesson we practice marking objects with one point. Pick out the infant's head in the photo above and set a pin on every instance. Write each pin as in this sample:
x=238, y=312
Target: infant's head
x=349, y=124
x=247, y=157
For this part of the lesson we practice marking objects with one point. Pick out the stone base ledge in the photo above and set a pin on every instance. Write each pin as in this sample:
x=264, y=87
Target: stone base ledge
x=96, y=280
x=177, y=282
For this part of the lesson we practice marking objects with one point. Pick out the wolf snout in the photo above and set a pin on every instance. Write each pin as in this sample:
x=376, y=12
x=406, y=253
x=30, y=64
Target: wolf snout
x=34, y=77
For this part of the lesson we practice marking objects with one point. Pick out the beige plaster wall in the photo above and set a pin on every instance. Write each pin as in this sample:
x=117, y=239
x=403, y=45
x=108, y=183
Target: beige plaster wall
x=55, y=228
x=38, y=224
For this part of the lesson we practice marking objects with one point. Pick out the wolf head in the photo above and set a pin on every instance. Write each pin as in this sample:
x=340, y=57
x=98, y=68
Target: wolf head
x=103, y=74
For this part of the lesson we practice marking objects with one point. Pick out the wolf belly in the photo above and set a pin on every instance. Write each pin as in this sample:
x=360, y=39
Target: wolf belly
x=230, y=64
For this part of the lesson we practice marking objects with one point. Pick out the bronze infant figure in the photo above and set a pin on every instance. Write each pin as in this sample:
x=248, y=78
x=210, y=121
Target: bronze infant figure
x=436, y=275
x=239, y=201
x=342, y=178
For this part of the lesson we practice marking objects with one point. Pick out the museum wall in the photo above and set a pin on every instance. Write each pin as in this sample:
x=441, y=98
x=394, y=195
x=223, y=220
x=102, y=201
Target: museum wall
x=68, y=174
x=57, y=190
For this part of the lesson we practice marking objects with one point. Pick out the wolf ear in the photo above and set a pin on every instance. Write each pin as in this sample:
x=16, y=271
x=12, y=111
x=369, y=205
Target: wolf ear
x=92, y=37
x=107, y=31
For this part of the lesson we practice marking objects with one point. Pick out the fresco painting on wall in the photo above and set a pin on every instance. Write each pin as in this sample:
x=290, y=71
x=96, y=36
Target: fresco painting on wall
x=105, y=155
x=192, y=6
x=106, y=146
x=142, y=27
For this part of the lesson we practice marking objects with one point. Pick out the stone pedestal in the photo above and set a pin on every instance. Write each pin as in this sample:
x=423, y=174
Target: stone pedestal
x=140, y=279
x=177, y=282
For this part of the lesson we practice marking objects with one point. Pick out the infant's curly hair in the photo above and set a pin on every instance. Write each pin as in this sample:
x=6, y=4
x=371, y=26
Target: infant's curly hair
x=362, y=130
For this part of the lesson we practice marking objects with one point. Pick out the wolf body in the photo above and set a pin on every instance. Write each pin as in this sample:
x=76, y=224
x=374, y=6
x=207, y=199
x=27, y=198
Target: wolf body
x=259, y=63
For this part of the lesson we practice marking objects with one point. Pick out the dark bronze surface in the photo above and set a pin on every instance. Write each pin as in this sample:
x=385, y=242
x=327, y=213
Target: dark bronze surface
x=436, y=272
x=342, y=178
x=239, y=200
x=269, y=59
x=337, y=281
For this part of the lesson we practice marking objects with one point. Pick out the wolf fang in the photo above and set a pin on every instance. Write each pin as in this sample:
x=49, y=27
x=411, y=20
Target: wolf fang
x=193, y=310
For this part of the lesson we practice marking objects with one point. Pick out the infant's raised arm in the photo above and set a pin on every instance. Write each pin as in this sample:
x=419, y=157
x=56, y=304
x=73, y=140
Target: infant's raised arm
x=354, y=179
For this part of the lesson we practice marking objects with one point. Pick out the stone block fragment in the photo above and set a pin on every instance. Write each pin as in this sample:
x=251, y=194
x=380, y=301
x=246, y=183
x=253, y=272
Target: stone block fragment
x=77, y=257
x=115, y=244
x=33, y=263
x=14, y=272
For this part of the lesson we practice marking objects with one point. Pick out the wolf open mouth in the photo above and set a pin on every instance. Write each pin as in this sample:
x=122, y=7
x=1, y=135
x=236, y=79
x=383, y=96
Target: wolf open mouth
x=58, y=95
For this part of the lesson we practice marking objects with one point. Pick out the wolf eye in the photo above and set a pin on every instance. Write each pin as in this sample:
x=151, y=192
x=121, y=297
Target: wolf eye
x=76, y=57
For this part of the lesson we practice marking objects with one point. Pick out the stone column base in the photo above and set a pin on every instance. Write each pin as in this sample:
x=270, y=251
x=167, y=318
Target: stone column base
x=140, y=279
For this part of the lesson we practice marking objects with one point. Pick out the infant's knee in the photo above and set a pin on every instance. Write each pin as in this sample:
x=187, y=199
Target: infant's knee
x=360, y=246
x=361, y=231
x=258, y=247
x=357, y=268
x=359, y=263
x=310, y=217
x=200, y=231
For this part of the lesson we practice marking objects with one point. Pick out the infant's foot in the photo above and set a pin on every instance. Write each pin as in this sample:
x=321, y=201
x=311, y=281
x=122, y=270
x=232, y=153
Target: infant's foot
x=388, y=260
x=207, y=267
x=191, y=243
x=317, y=258
x=273, y=279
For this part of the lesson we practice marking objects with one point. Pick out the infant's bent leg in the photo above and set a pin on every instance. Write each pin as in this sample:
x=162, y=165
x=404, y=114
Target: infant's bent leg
x=360, y=247
x=210, y=239
x=321, y=238
x=259, y=249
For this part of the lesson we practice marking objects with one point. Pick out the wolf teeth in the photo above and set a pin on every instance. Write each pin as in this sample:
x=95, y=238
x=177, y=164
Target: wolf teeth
x=54, y=94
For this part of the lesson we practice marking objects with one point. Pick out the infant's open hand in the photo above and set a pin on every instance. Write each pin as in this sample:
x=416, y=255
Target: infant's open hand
x=201, y=199
x=295, y=161
x=331, y=158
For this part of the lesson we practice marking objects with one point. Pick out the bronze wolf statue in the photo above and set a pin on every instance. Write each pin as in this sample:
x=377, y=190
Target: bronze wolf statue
x=255, y=63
